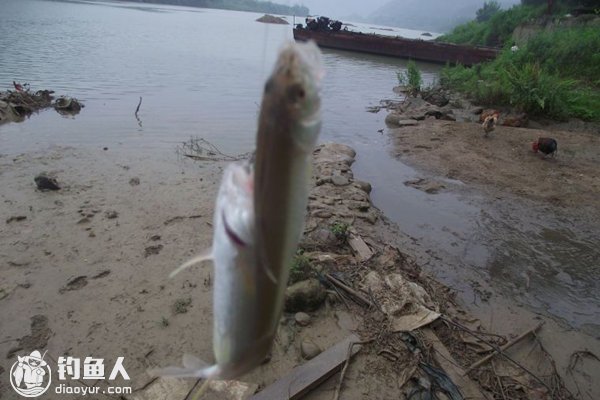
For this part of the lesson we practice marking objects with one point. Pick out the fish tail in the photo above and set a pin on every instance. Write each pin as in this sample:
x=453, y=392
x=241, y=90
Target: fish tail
x=204, y=256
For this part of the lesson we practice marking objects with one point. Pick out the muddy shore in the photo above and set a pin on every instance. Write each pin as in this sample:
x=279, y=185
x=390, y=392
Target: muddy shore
x=84, y=273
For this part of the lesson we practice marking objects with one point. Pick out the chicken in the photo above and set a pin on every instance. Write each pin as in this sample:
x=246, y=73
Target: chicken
x=548, y=146
x=489, y=123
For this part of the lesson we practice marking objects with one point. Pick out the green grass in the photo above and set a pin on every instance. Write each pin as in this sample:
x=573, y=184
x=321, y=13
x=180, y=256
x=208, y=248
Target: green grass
x=300, y=268
x=556, y=74
x=181, y=305
x=496, y=31
x=340, y=229
x=411, y=78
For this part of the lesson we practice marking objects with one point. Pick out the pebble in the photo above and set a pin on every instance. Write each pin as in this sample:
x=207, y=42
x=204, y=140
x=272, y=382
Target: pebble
x=309, y=349
x=302, y=319
x=339, y=180
x=111, y=214
x=45, y=182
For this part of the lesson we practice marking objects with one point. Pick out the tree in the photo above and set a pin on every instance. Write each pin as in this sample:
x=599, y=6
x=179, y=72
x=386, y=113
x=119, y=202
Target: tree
x=488, y=10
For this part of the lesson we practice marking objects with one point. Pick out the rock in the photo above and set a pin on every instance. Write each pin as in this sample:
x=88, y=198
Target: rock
x=134, y=181
x=309, y=349
x=321, y=214
x=305, y=295
x=426, y=34
x=407, y=122
x=425, y=185
x=152, y=250
x=392, y=118
x=364, y=186
x=339, y=180
x=335, y=152
x=325, y=236
x=399, y=120
x=302, y=319
x=271, y=19
x=67, y=105
x=436, y=97
x=515, y=120
x=16, y=218
x=111, y=214
x=45, y=183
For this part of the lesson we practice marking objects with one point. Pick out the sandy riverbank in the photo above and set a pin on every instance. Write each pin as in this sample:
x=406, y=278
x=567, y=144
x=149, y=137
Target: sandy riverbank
x=84, y=273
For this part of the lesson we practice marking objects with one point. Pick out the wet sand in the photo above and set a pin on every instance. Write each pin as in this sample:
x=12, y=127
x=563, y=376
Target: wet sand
x=85, y=272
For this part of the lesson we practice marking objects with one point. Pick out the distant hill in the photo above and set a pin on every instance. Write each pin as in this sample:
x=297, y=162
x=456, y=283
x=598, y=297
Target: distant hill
x=238, y=5
x=434, y=15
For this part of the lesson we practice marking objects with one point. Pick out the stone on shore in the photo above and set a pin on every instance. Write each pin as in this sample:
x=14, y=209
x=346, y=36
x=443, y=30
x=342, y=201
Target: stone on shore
x=306, y=295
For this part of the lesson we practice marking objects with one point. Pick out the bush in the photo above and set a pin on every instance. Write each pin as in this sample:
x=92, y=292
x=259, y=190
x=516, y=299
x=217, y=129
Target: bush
x=411, y=78
x=496, y=30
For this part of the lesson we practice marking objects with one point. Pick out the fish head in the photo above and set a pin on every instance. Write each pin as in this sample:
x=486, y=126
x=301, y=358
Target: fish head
x=294, y=87
x=235, y=203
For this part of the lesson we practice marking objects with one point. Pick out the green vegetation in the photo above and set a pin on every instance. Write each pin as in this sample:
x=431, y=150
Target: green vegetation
x=411, y=78
x=494, y=31
x=239, y=5
x=164, y=322
x=300, y=267
x=488, y=10
x=340, y=229
x=555, y=74
x=181, y=305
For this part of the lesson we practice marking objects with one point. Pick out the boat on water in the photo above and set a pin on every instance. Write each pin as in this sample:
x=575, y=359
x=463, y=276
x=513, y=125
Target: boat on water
x=329, y=34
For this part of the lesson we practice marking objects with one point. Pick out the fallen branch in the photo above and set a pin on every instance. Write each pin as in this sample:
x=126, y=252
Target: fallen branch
x=201, y=149
x=136, y=112
x=499, y=350
x=353, y=293
x=503, y=348
x=338, y=388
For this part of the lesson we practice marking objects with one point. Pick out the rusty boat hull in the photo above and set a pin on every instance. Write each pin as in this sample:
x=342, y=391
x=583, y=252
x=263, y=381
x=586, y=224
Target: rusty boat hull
x=399, y=47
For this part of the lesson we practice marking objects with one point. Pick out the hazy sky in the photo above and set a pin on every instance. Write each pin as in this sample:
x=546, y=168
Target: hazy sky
x=344, y=8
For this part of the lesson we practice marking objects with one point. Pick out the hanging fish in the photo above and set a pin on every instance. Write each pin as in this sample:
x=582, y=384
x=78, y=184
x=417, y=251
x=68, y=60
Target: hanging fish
x=258, y=220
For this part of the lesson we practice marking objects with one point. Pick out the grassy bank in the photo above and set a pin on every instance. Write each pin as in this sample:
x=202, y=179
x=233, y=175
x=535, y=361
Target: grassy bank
x=555, y=74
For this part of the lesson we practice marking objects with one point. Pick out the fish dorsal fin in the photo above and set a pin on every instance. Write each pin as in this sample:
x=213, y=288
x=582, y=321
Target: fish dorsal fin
x=191, y=361
x=204, y=256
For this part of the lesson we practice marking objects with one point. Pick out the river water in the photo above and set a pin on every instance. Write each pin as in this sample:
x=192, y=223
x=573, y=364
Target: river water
x=200, y=72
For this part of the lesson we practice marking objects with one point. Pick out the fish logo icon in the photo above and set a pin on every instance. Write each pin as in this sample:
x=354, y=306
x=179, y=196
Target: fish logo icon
x=30, y=375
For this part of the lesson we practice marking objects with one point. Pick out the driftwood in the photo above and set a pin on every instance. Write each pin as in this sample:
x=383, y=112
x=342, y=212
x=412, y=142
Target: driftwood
x=308, y=376
x=360, y=247
x=499, y=350
x=504, y=348
x=338, y=388
x=356, y=296
x=469, y=389
x=137, y=109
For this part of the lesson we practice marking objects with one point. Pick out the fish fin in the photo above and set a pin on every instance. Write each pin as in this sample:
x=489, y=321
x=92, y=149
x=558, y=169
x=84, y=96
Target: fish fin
x=204, y=256
x=193, y=362
x=178, y=372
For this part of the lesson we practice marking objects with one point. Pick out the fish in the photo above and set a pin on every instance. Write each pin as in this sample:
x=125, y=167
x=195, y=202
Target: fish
x=259, y=219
